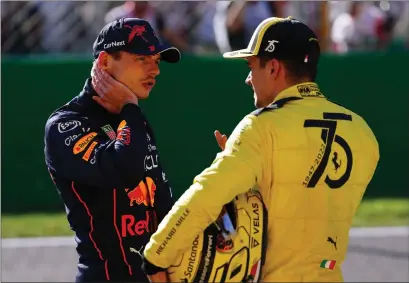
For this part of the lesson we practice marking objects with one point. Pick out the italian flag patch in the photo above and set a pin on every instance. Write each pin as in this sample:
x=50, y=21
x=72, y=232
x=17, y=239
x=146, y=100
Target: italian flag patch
x=328, y=264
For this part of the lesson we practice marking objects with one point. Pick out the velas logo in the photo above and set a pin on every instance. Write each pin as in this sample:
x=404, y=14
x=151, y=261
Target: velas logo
x=83, y=142
x=136, y=31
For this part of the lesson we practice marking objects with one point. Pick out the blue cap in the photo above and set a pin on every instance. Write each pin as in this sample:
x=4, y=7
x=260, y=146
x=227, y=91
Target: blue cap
x=135, y=36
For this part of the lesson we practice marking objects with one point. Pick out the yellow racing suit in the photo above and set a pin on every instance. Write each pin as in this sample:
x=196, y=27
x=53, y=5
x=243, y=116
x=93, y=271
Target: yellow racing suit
x=311, y=160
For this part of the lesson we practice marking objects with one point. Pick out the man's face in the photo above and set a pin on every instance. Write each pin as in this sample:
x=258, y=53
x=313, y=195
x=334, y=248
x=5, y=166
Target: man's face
x=137, y=72
x=259, y=79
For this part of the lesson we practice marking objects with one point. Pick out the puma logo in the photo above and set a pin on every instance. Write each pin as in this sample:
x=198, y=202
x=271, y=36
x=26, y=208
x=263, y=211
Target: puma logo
x=332, y=241
x=132, y=250
x=334, y=161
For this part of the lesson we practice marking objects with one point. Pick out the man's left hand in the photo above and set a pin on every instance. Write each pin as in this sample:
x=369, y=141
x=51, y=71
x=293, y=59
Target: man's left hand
x=159, y=277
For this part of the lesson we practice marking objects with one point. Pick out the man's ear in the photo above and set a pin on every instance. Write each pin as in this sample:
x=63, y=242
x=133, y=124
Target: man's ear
x=274, y=66
x=103, y=60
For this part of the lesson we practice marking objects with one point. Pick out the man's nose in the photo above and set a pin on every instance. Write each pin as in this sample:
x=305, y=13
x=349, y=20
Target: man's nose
x=154, y=70
x=248, y=79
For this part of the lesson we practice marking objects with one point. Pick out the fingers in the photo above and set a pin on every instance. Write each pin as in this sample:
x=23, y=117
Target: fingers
x=224, y=139
x=221, y=139
x=158, y=277
x=112, y=93
x=101, y=80
x=100, y=85
x=101, y=91
x=218, y=136
x=105, y=77
x=98, y=88
x=106, y=83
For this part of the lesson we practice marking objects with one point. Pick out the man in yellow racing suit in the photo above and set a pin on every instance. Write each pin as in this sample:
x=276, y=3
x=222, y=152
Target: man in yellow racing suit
x=311, y=159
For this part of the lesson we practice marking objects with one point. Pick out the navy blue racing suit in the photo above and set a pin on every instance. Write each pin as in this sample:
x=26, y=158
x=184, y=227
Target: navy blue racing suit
x=107, y=171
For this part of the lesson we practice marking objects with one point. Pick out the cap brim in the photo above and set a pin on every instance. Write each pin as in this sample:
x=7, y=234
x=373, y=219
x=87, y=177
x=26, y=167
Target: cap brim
x=239, y=54
x=170, y=54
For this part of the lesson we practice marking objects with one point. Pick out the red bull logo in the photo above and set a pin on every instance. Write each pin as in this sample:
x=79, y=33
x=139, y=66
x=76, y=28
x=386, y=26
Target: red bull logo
x=144, y=193
x=124, y=136
x=136, y=31
x=131, y=227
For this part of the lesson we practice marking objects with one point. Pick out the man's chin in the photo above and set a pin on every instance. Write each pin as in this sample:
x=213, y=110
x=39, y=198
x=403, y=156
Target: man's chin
x=257, y=102
x=260, y=104
x=143, y=96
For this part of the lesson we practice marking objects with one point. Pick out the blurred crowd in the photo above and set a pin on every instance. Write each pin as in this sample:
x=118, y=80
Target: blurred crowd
x=205, y=27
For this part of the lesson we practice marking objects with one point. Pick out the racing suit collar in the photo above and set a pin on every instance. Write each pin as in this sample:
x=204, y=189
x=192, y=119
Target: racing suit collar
x=302, y=90
x=85, y=101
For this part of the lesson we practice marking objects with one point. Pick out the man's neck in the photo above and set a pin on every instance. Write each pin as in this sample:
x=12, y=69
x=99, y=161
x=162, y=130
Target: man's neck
x=276, y=92
x=292, y=83
x=284, y=86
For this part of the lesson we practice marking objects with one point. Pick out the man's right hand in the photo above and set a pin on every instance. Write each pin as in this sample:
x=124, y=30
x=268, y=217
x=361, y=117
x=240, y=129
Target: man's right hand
x=221, y=139
x=112, y=94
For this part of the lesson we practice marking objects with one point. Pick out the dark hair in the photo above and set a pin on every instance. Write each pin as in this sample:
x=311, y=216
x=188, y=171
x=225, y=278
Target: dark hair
x=115, y=54
x=297, y=71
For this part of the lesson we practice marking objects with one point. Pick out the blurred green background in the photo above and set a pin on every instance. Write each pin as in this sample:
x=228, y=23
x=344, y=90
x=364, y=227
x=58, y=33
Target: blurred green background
x=190, y=101
x=364, y=66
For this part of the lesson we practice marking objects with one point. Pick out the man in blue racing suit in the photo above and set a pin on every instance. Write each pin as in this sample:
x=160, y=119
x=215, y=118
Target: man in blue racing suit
x=102, y=157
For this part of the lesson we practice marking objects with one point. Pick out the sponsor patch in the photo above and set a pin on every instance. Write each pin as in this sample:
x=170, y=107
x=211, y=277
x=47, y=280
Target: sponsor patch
x=122, y=124
x=144, y=193
x=109, y=131
x=124, y=133
x=82, y=143
x=114, y=44
x=71, y=139
x=64, y=127
x=309, y=90
x=87, y=154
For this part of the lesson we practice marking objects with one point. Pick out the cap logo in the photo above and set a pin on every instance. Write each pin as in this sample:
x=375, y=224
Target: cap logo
x=271, y=47
x=136, y=31
x=306, y=59
x=114, y=44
